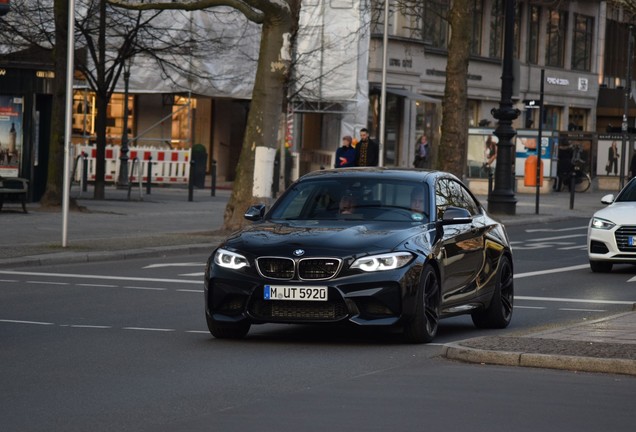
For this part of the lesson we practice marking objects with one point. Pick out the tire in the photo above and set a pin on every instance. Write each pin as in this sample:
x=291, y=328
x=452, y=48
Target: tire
x=499, y=312
x=227, y=330
x=583, y=182
x=423, y=327
x=601, y=266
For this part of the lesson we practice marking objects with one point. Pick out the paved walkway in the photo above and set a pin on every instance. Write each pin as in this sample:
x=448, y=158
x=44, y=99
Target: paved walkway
x=165, y=222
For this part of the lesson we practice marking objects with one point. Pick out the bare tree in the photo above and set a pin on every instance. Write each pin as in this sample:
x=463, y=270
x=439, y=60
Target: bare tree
x=277, y=20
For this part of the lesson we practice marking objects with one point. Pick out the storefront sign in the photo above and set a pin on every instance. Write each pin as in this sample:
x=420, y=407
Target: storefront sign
x=583, y=84
x=557, y=81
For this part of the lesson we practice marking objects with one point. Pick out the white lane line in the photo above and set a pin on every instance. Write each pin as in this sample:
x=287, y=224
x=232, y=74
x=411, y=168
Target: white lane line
x=551, y=271
x=47, y=283
x=557, y=237
x=90, y=326
x=145, y=288
x=192, y=291
x=84, y=276
x=556, y=230
x=25, y=322
x=582, y=310
x=148, y=329
x=96, y=285
x=8, y=280
x=582, y=247
x=529, y=307
x=632, y=279
x=198, y=274
x=572, y=300
x=190, y=264
x=198, y=331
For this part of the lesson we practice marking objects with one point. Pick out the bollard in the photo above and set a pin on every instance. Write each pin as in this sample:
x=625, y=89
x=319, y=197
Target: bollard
x=572, y=186
x=213, y=178
x=149, y=175
x=191, y=181
x=130, y=180
x=490, y=181
x=84, y=172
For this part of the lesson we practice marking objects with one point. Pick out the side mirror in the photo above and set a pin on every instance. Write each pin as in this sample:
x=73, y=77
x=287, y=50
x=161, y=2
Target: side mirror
x=456, y=215
x=608, y=199
x=255, y=212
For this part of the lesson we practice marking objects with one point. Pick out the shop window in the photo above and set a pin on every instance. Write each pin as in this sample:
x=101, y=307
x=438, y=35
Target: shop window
x=578, y=119
x=552, y=118
x=182, y=122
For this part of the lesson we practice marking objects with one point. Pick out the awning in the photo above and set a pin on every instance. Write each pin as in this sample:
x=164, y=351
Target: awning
x=407, y=94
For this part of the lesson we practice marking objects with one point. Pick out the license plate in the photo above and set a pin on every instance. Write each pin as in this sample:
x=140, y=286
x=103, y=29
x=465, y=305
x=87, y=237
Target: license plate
x=631, y=240
x=286, y=292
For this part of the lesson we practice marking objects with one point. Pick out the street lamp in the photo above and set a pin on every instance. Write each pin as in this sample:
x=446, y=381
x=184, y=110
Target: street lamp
x=502, y=198
x=123, y=154
x=628, y=91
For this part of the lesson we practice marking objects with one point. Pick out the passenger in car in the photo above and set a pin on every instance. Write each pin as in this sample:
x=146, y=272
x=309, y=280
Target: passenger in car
x=347, y=205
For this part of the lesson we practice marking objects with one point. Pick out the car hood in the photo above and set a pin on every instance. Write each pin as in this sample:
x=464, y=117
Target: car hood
x=621, y=213
x=322, y=239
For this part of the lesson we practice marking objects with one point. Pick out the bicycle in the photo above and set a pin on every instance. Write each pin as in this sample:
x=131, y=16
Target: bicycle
x=582, y=180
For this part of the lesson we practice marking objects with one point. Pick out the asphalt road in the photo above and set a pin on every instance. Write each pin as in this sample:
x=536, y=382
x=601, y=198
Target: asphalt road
x=122, y=346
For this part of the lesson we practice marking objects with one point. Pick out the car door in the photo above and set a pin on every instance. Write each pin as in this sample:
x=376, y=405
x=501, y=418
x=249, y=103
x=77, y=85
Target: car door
x=463, y=244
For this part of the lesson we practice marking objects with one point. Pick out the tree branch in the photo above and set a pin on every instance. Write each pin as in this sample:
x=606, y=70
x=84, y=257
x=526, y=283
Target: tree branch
x=250, y=8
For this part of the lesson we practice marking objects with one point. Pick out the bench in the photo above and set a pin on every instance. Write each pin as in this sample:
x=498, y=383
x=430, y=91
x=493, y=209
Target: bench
x=14, y=190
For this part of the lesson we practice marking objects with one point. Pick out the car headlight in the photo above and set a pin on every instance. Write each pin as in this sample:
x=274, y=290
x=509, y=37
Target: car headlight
x=603, y=224
x=383, y=262
x=231, y=260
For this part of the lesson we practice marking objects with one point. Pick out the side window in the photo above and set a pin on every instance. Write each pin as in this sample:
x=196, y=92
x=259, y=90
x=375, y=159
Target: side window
x=451, y=193
x=468, y=202
x=443, y=196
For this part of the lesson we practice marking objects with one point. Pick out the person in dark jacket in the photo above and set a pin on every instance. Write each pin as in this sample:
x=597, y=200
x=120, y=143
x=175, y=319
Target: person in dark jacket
x=346, y=155
x=367, y=150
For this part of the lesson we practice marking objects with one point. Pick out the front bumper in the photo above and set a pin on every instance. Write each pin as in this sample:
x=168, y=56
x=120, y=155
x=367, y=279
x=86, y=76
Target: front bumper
x=379, y=298
x=615, y=245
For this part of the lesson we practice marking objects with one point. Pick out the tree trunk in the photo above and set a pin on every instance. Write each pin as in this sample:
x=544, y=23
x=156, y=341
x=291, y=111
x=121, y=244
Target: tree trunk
x=454, y=140
x=54, y=184
x=102, y=106
x=265, y=110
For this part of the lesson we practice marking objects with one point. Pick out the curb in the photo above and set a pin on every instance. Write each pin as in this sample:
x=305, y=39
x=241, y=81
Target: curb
x=455, y=351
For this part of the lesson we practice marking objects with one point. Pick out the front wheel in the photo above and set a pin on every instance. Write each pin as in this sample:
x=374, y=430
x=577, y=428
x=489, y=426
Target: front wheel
x=583, y=182
x=499, y=313
x=423, y=327
x=222, y=330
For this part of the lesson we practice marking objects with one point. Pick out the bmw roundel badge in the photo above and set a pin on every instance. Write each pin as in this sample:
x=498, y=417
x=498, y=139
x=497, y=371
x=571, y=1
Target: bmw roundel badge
x=299, y=252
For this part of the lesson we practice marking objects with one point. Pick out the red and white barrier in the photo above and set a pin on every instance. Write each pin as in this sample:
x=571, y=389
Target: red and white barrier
x=168, y=166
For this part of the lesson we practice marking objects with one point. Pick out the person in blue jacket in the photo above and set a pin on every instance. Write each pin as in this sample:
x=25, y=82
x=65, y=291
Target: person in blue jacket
x=346, y=155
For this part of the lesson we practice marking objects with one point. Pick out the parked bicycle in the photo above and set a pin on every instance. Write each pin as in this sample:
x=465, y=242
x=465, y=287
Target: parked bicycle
x=582, y=180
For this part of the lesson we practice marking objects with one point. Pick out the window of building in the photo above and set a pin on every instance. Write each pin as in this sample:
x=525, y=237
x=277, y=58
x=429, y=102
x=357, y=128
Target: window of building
x=555, y=42
x=497, y=28
x=182, y=122
x=475, y=44
x=582, y=42
x=578, y=119
x=551, y=118
x=435, y=23
x=534, y=23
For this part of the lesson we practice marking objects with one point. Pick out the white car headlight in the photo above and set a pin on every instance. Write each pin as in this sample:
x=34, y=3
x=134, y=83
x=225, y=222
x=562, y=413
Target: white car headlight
x=603, y=224
x=231, y=260
x=383, y=262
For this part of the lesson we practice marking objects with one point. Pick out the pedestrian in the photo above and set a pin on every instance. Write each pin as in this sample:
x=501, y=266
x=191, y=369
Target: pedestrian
x=346, y=154
x=367, y=150
x=421, y=152
x=612, y=159
x=490, y=154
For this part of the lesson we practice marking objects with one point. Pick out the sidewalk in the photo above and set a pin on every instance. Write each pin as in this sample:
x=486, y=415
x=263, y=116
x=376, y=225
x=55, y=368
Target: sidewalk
x=165, y=223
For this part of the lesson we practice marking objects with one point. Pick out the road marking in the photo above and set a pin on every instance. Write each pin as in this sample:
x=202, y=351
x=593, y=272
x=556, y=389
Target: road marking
x=571, y=300
x=174, y=265
x=148, y=329
x=558, y=237
x=632, y=279
x=90, y=326
x=529, y=307
x=187, y=290
x=556, y=230
x=581, y=247
x=80, y=276
x=47, y=283
x=551, y=271
x=8, y=280
x=96, y=285
x=145, y=288
x=198, y=331
x=583, y=310
x=26, y=322
x=198, y=274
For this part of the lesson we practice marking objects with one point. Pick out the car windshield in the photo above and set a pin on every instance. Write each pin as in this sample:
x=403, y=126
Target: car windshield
x=629, y=193
x=366, y=199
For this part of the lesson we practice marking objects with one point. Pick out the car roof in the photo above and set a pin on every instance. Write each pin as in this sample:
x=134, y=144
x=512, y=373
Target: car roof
x=406, y=174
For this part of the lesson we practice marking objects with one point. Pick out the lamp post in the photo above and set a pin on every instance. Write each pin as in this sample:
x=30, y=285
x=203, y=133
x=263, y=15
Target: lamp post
x=123, y=154
x=502, y=198
x=624, y=124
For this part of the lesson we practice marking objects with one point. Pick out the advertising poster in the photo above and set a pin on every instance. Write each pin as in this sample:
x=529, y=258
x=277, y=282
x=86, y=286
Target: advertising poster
x=609, y=157
x=10, y=136
x=525, y=146
x=482, y=155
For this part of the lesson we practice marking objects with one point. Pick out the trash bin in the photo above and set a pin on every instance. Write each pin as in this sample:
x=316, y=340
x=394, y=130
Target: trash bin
x=530, y=177
x=200, y=159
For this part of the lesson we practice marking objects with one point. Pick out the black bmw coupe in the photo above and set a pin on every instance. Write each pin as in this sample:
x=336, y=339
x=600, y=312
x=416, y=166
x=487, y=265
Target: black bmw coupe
x=368, y=246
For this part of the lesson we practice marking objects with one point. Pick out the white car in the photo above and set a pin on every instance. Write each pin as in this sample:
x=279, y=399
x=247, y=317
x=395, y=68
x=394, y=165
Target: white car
x=611, y=236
